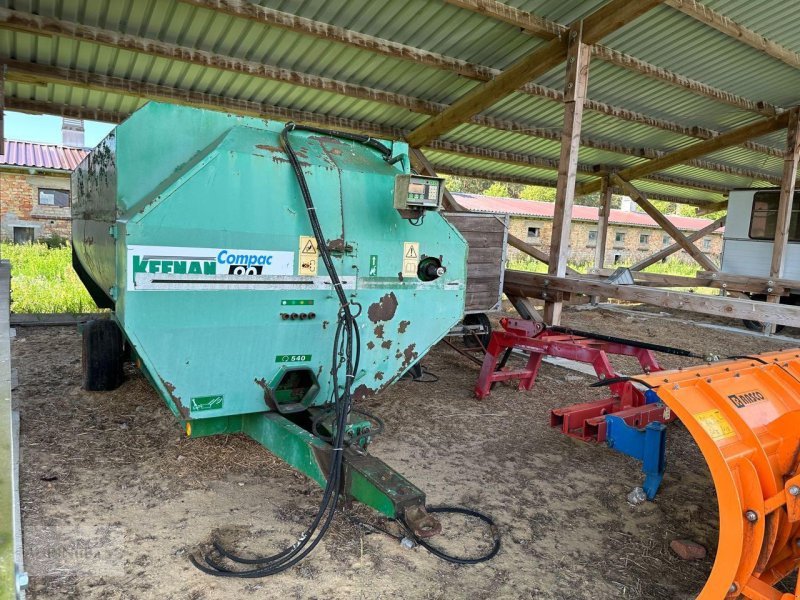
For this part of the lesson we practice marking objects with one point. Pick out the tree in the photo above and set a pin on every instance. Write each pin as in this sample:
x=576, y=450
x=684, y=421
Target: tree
x=538, y=192
x=497, y=189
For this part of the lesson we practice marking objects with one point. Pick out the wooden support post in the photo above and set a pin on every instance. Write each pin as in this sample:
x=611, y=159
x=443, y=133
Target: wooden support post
x=669, y=250
x=665, y=223
x=603, y=214
x=785, y=205
x=577, y=79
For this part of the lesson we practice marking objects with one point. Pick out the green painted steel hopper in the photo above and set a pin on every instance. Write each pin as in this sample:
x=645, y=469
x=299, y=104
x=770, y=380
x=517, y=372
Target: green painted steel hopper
x=190, y=225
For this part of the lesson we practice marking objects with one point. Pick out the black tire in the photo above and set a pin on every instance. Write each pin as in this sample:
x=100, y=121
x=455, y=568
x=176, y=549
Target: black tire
x=758, y=325
x=486, y=328
x=102, y=357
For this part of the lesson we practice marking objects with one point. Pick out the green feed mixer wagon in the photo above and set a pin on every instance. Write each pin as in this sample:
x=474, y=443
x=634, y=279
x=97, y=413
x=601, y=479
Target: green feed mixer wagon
x=264, y=277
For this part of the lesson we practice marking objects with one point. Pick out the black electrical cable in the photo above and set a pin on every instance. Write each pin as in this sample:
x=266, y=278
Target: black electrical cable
x=460, y=560
x=347, y=332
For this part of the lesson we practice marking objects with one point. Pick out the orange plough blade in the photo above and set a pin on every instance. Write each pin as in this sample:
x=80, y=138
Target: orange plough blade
x=744, y=415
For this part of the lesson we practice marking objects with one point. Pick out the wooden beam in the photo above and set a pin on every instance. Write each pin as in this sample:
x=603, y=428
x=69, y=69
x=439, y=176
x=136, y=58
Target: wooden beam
x=626, y=61
x=665, y=223
x=540, y=181
x=577, y=81
x=533, y=252
x=526, y=283
x=600, y=171
x=49, y=27
x=731, y=28
x=669, y=250
x=43, y=75
x=549, y=30
x=603, y=214
x=787, y=195
x=597, y=25
x=724, y=140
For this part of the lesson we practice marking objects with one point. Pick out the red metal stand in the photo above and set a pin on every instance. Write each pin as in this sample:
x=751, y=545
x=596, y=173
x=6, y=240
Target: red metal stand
x=585, y=421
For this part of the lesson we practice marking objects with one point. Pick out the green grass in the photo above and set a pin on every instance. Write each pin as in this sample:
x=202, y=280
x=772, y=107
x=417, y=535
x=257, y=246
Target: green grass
x=42, y=280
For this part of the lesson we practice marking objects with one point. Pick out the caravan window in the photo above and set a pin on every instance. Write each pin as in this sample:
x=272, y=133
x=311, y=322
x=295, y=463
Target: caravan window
x=765, y=217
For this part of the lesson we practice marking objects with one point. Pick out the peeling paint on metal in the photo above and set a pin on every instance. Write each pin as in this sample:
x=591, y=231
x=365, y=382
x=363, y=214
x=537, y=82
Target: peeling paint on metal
x=384, y=309
x=403, y=326
x=386, y=344
x=379, y=332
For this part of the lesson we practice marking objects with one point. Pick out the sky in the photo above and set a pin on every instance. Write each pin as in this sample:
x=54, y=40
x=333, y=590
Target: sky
x=47, y=129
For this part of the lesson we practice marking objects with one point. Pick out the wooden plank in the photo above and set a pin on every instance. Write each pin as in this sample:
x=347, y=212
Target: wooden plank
x=724, y=140
x=603, y=21
x=577, y=80
x=788, y=182
x=731, y=28
x=709, y=279
x=713, y=305
x=665, y=224
x=669, y=250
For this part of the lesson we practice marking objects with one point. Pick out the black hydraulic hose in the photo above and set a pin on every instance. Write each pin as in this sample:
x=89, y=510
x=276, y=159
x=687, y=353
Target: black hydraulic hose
x=627, y=342
x=347, y=332
x=460, y=560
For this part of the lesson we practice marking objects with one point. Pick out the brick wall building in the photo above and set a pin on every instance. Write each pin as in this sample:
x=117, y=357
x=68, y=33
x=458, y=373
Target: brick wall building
x=632, y=235
x=34, y=187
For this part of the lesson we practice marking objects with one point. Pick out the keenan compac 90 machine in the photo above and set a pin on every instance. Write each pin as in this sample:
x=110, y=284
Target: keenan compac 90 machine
x=264, y=276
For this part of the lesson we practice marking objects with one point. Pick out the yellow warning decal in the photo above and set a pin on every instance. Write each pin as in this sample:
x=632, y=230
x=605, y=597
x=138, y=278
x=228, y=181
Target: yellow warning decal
x=410, y=258
x=309, y=256
x=715, y=424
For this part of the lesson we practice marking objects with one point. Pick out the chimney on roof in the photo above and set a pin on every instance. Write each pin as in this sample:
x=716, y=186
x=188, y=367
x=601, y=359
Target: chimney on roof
x=72, y=132
x=627, y=204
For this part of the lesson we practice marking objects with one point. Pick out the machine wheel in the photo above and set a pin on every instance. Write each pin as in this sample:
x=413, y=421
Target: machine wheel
x=485, y=333
x=758, y=325
x=102, y=356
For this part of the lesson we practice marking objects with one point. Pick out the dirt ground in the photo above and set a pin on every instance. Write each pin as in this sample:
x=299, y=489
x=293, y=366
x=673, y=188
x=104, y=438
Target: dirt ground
x=114, y=497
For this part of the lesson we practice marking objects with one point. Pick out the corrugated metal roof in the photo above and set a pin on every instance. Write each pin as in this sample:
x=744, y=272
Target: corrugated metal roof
x=664, y=36
x=41, y=156
x=546, y=210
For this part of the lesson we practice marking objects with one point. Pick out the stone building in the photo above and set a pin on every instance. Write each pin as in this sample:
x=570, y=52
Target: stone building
x=34, y=186
x=632, y=235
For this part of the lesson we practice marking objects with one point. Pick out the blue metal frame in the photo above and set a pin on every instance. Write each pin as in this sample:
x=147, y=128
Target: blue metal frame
x=648, y=445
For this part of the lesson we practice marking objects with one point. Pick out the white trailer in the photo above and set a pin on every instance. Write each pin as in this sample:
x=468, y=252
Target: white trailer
x=750, y=236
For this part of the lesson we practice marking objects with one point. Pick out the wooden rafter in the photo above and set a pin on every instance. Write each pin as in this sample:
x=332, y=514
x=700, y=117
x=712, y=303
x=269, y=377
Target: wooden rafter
x=596, y=26
x=48, y=26
x=540, y=27
x=729, y=27
x=527, y=180
x=729, y=138
x=667, y=225
x=529, y=160
x=32, y=73
x=276, y=18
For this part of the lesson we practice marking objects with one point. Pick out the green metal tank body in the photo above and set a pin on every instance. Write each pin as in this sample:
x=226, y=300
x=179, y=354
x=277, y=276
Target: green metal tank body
x=191, y=224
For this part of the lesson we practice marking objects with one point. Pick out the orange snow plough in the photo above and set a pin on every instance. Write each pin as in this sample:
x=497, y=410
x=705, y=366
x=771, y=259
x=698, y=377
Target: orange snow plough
x=745, y=416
